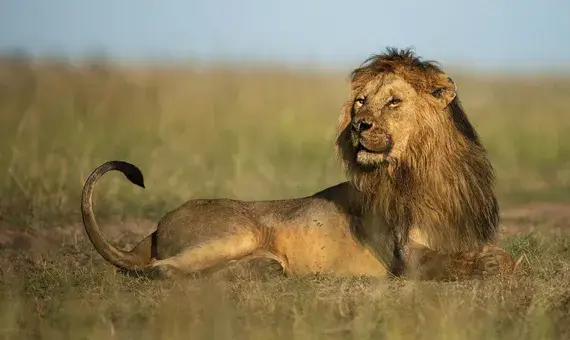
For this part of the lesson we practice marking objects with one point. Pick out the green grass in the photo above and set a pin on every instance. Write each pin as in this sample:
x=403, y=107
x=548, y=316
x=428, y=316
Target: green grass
x=70, y=293
x=255, y=134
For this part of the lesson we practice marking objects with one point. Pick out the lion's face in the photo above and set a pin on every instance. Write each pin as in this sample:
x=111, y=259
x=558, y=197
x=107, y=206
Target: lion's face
x=381, y=117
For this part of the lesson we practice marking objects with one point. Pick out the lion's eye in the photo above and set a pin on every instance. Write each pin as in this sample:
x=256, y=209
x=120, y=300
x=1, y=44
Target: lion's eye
x=394, y=101
x=359, y=101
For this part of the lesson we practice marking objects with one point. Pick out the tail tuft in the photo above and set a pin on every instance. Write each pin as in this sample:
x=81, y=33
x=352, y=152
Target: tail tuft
x=132, y=173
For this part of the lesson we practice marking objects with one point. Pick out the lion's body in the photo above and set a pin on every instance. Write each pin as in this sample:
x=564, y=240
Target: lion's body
x=420, y=201
x=305, y=235
x=315, y=234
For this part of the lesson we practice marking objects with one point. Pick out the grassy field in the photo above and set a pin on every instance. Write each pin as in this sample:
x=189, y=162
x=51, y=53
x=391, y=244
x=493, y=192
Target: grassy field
x=251, y=134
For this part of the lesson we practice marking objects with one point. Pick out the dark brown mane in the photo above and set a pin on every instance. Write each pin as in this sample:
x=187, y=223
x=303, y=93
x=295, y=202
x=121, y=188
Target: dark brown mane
x=419, y=73
x=443, y=182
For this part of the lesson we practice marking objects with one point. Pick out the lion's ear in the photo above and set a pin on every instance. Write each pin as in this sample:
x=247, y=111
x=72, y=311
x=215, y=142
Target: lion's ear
x=445, y=90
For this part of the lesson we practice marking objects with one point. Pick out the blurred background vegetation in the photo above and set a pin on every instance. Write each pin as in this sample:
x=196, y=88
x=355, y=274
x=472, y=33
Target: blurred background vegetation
x=250, y=133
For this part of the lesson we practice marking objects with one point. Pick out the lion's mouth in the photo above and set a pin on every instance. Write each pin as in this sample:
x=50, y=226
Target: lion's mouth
x=360, y=147
x=383, y=148
x=375, y=154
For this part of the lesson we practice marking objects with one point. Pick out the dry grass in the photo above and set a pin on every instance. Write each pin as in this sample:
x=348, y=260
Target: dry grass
x=248, y=135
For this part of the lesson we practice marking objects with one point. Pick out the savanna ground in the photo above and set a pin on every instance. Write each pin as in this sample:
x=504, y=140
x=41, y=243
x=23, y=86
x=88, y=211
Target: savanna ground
x=251, y=134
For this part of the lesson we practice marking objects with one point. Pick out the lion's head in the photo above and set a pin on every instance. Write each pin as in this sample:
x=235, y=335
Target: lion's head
x=408, y=145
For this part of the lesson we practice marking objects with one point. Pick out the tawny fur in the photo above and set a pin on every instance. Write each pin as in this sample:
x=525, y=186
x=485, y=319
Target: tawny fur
x=442, y=182
x=422, y=207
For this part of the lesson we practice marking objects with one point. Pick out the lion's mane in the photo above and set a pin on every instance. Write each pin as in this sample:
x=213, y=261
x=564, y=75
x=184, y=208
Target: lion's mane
x=443, y=181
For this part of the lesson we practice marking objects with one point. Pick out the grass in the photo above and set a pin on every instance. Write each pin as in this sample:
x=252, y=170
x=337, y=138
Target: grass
x=247, y=134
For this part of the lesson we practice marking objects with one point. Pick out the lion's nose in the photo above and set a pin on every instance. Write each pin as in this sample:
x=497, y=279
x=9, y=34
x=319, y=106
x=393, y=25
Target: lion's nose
x=360, y=125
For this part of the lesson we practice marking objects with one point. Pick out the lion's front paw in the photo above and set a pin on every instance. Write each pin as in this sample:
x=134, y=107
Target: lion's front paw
x=492, y=261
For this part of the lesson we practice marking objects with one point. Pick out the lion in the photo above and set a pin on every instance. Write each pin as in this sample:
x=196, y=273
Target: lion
x=419, y=202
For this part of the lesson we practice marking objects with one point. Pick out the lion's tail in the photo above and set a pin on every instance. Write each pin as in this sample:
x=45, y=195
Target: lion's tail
x=122, y=259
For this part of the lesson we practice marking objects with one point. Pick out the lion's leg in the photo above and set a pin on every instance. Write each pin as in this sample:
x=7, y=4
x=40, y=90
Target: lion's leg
x=488, y=260
x=209, y=254
x=263, y=254
x=260, y=264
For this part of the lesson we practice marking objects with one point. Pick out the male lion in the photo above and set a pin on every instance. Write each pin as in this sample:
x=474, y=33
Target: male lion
x=417, y=169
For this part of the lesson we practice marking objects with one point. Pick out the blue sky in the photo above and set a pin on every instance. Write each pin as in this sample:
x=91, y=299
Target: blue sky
x=475, y=33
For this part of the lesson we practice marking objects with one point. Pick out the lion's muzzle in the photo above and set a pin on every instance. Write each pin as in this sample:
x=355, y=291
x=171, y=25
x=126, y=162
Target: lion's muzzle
x=369, y=137
x=376, y=142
